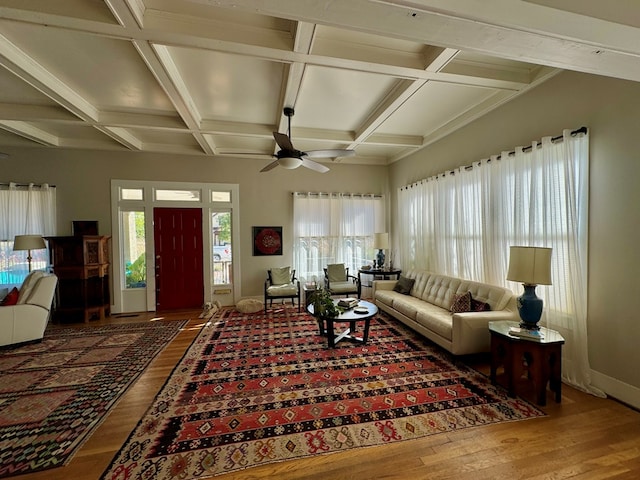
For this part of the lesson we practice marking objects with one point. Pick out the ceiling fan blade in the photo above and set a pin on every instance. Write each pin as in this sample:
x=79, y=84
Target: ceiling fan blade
x=271, y=166
x=283, y=141
x=329, y=153
x=318, y=167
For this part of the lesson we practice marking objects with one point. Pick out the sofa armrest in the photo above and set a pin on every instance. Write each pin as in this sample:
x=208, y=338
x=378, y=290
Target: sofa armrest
x=382, y=285
x=470, y=330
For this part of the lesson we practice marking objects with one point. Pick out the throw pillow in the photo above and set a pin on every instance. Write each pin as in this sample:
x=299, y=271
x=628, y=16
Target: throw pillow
x=461, y=303
x=11, y=298
x=404, y=285
x=280, y=276
x=478, y=306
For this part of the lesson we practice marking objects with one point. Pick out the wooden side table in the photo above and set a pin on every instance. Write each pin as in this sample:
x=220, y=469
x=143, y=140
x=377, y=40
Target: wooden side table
x=385, y=274
x=308, y=289
x=541, y=359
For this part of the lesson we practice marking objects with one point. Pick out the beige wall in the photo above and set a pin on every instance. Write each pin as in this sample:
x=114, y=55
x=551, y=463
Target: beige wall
x=611, y=110
x=83, y=190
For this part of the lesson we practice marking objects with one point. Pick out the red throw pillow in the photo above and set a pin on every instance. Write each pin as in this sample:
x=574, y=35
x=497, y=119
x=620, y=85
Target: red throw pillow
x=11, y=298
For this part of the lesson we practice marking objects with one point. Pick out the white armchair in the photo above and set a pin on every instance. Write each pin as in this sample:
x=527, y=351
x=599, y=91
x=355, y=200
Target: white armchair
x=27, y=320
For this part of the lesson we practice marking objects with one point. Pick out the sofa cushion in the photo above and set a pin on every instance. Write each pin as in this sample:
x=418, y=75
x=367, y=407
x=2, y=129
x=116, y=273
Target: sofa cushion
x=461, y=303
x=404, y=285
x=280, y=276
x=336, y=272
x=437, y=320
x=343, y=287
x=282, y=290
x=408, y=305
x=11, y=298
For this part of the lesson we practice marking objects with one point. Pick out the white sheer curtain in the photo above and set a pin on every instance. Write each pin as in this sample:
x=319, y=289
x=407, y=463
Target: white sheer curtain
x=462, y=223
x=24, y=210
x=334, y=228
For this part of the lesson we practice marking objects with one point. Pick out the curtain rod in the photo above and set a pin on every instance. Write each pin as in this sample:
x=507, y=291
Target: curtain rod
x=524, y=149
x=553, y=139
x=25, y=185
x=374, y=195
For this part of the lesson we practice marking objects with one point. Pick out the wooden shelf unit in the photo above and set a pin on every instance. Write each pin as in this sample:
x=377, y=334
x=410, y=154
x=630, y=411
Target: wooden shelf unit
x=82, y=266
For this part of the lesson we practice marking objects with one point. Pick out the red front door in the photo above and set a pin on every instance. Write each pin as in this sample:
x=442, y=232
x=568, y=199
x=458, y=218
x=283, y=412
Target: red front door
x=178, y=246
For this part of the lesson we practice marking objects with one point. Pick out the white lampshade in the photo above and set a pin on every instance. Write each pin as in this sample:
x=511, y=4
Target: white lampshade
x=530, y=265
x=290, y=162
x=381, y=241
x=28, y=242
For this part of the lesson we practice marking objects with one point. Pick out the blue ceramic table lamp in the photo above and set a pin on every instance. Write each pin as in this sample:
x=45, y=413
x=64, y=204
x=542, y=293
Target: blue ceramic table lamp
x=380, y=242
x=530, y=266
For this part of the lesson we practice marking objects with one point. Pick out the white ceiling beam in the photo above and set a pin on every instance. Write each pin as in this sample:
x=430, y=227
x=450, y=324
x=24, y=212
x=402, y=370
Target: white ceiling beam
x=159, y=61
x=224, y=44
x=403, y=91
x=462, y=25
x=303, y=40
x=28, y=69
x=26, y=130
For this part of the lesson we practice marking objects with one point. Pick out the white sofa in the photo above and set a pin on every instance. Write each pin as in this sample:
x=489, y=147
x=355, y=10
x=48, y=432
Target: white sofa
x=426, y=309
x=27, y=320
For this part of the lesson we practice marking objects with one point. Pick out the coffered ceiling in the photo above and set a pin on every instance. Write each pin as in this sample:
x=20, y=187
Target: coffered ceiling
x=211, y=78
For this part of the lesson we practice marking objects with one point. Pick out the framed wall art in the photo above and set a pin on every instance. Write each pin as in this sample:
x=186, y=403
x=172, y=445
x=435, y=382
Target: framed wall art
x=267, y=241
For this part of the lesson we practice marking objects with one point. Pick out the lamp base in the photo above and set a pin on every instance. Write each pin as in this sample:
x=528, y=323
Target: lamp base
x=380, y=259
x=529, y=308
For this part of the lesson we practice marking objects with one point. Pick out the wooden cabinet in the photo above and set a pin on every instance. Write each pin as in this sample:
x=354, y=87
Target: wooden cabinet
x=82, y=266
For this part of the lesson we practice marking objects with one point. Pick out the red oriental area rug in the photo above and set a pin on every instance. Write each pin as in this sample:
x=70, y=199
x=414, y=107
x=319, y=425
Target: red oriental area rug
x=55, y=393
x=257, y=389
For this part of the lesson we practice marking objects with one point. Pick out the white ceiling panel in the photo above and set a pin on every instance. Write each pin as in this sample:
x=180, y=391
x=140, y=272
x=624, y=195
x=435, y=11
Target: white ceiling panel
x=433, y=106
x=106, y=72
x=384, y=78
x=15, y=91
x=233, y=88
x=338, y=99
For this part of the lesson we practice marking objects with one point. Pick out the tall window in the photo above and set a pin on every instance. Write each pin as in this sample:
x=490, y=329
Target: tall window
x=334, y=228
x=24, y=210
x=222, y=255
x=462, y=223
x=134, y=249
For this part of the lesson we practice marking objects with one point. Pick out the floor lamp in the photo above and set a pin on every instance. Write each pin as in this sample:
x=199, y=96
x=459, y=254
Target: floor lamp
x=28, y=243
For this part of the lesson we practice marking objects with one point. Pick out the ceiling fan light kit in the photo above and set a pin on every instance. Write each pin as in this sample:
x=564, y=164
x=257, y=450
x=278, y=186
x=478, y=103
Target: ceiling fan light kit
x=288, y=157
x=290, y=162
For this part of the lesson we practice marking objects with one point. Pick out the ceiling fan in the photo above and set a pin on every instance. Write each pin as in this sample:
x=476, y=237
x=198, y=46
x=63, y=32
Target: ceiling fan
x=288, y=157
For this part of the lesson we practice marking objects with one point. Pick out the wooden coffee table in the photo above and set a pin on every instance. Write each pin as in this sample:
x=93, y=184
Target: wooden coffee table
x=349, y=316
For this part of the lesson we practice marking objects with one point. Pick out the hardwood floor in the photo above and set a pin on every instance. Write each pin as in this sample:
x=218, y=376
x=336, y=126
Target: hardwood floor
x=583, y=437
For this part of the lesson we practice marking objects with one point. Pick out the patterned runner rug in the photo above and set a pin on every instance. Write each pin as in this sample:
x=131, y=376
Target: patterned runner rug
x=55, y=393
x=257, y=389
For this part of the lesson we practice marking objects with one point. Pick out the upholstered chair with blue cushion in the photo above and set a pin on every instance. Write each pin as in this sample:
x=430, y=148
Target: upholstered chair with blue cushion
x=338, y=281
x=281, y=283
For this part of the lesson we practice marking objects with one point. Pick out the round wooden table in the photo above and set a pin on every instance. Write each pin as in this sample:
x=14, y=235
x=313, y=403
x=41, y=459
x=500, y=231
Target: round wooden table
x=348, y=316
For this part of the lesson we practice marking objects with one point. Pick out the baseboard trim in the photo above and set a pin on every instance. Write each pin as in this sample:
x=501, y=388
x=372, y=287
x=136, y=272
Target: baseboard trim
x=616, y=389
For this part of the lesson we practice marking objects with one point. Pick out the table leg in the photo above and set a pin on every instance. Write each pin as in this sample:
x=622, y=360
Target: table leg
x=555, y=382
x=330, y=333
x=320, y=325
x=365, y=336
